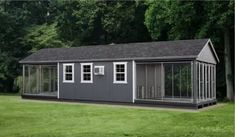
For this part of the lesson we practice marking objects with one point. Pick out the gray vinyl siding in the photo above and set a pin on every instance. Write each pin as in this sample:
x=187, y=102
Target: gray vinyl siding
x=207, y=55
x=102, y=88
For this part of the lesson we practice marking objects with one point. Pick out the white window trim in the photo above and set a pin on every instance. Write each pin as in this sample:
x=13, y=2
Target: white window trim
x=64, y=68
x=86, y=81
x=114, y=72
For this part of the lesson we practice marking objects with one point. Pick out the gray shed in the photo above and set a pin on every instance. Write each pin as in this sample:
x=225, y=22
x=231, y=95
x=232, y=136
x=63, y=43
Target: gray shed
x=181, y=72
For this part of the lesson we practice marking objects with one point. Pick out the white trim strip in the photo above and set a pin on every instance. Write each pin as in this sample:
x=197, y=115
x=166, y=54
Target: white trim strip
x=58, y=80
x=134, y=80
x=23, y=80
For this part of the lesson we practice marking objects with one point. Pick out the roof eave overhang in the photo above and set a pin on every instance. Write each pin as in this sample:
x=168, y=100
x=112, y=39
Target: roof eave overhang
x=171, y=58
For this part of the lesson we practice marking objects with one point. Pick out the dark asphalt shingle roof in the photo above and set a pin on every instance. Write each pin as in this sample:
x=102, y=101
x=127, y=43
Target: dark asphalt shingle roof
x=162, y=49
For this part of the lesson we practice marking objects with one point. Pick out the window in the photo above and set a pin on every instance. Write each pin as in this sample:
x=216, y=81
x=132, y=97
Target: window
x=168, y=79
x=120, y=72
x=86, y=73
x=68, y=70
x=177, y=80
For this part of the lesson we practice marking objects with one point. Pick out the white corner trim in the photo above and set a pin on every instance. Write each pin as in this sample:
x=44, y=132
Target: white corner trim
x=64, y=80
x=86, y=81
x=114, y=72
x=134, y=80
x=58, y=80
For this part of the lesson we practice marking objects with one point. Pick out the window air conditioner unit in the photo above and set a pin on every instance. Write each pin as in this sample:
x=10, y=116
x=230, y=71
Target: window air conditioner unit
x=99, y=70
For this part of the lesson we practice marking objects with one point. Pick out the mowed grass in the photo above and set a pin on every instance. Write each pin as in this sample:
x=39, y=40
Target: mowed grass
x=20, y=117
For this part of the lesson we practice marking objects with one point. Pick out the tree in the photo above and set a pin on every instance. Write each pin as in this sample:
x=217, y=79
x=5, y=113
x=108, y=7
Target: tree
x=77, y=22
x=122, y=22
x=11, y=49
x=42, y=36
x=223, y=19
x=220, y=21
x=102, y=22
x=15, y=17
x=157, y=19
x=172, y=20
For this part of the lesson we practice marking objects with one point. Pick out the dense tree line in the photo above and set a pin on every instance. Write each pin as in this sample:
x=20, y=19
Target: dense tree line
x=27, y=26
x=170, y=20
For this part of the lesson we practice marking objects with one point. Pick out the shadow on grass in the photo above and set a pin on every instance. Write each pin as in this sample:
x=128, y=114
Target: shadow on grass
x=9, y=94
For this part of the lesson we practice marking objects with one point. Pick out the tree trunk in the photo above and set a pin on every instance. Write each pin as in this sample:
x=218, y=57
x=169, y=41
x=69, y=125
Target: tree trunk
x=228, y=65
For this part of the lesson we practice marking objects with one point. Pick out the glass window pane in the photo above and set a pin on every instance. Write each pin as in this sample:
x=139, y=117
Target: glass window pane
x=120, y=68
x=120, y=77
x=205, y=81
x=87, y=77
x=189, y=82
x=201, y=80
x=68, y=77
x=33, y=79
x=168, y=80
x=45, y=71
x=185, y=80
x=177, y=78
x=86, y=68
x=68, y=68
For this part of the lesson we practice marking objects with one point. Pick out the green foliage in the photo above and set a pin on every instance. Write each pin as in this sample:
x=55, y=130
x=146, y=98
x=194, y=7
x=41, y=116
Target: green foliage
x=77, y=21
x=169, y=20
x=122, y=22
x=12, y=49
x=27, y=26
x=42, y=36
x=99, y=22
x=157, y=19
x=17, y=39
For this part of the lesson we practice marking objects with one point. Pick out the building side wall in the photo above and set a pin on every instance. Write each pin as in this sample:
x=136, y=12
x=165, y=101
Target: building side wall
x=102, y=88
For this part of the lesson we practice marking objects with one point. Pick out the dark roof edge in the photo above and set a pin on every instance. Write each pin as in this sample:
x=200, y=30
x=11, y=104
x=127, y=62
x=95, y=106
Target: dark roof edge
x=120, y=44
x=113, y=59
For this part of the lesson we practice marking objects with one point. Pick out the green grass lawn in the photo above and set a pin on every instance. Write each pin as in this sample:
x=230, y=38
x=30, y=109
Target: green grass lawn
x=20, y=117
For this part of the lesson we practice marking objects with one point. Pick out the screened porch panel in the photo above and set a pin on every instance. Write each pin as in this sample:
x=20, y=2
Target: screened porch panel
x=40, y=80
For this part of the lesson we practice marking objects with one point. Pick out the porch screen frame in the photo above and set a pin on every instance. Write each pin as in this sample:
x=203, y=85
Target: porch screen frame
x=33, y=80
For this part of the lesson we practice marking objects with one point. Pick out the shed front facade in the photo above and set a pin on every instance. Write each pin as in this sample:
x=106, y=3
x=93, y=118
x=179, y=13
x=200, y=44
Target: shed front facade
x=179, y=72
